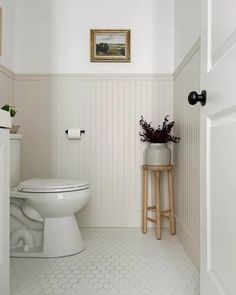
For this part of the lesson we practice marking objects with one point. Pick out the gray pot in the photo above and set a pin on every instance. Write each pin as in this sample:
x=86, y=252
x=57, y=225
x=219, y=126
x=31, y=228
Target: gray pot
x=157, y=154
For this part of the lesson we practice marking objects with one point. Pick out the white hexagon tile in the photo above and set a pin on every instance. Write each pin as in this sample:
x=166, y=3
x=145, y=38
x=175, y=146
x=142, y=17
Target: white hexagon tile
x=116, y=261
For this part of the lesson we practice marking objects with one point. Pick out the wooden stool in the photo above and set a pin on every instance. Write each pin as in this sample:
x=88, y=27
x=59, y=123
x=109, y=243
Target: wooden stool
x=167, y=213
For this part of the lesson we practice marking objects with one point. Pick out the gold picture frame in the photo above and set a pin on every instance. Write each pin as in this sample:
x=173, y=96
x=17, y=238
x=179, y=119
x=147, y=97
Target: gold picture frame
x=110, y=45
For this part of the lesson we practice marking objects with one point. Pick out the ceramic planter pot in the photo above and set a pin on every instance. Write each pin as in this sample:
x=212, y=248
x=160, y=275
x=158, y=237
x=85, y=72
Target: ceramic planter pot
x=157, y=154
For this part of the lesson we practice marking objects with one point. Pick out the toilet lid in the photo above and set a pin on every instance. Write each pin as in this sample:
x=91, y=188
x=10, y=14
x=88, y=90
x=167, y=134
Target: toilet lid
x=52, y=185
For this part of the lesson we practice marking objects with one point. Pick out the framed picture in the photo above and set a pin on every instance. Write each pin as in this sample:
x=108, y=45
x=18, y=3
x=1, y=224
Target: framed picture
x=110, y=45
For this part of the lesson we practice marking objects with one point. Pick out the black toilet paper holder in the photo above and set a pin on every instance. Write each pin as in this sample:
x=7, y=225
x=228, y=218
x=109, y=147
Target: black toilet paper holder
x=81, y=131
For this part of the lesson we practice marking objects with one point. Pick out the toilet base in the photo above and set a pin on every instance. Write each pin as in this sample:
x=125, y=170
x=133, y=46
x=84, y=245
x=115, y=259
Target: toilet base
x=61, y=237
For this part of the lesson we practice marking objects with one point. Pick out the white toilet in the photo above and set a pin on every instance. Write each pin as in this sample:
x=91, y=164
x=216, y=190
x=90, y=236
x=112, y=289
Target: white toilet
x=42, y=212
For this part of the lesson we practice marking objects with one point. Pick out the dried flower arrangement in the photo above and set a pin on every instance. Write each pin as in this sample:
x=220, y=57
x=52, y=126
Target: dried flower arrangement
x=159, y=135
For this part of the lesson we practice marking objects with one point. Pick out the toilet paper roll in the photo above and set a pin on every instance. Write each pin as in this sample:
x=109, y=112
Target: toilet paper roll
x=74, y=133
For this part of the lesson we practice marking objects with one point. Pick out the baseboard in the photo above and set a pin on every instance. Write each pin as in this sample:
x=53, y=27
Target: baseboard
x=109, y=219
x=189, y=244
x=113, y=219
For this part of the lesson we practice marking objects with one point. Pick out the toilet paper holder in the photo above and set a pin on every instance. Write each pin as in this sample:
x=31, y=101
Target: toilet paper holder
x=81, y=131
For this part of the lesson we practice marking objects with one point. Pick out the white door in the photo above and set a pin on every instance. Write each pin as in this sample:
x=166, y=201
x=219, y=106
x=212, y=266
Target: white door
x=218, y=148
x=4, y=211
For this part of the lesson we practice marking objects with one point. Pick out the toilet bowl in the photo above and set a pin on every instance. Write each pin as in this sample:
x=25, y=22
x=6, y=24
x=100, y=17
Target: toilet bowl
x=56, y=201
x=42, y=212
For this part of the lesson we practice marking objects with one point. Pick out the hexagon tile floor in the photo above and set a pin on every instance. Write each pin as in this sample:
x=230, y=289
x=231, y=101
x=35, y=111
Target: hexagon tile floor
x=116, y=261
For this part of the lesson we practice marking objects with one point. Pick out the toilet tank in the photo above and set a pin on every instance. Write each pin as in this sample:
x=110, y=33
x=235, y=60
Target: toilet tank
x=15, y=156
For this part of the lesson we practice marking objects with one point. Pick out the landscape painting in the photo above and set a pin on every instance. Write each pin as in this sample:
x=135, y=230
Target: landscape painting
x=110, y=45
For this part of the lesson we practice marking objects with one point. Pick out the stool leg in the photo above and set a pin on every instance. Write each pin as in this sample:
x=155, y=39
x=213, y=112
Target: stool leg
x=158, y=205
x=145, y=198
x=171, y=203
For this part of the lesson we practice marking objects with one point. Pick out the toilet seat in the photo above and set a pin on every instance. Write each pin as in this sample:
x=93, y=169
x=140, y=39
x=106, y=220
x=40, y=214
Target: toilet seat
x=51, y=185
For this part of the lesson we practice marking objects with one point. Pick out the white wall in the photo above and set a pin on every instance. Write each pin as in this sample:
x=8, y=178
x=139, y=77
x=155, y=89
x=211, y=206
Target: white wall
x=110, y=153
x=7, y=83
x=52, y=36
x=187, y=154
x=187, y=27
x=7, y=87
x=7, y=58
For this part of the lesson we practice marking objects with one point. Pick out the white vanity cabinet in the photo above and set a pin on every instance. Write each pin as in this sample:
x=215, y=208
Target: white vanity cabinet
x=5, y=123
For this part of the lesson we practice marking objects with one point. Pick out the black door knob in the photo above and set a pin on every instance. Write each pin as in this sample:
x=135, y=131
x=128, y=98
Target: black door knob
x=194, y=97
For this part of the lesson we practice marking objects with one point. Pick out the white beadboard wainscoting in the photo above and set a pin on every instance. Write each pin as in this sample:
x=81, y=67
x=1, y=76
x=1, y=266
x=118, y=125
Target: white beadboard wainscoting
x=187, y=157
x=110, y=154
x=7, y=87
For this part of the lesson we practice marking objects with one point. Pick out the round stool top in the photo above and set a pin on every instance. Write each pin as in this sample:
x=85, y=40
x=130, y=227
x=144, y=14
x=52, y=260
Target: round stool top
x=158, y=167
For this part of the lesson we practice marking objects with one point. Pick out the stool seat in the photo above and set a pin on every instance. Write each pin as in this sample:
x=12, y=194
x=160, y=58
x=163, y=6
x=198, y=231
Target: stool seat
x=157, y=208
x=158, y=167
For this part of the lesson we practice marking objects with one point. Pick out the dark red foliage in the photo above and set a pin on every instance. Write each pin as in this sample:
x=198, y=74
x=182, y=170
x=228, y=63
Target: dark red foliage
x=159, y=135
